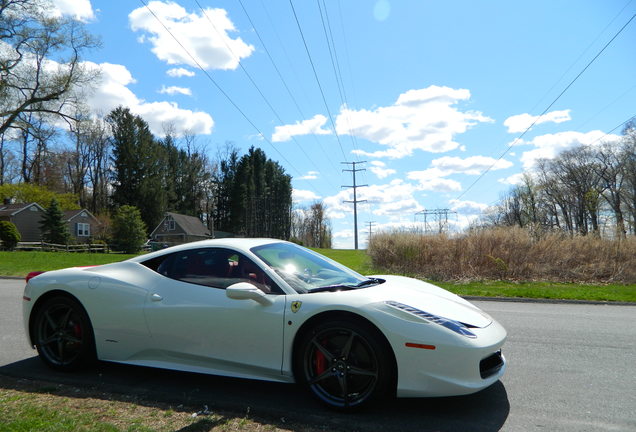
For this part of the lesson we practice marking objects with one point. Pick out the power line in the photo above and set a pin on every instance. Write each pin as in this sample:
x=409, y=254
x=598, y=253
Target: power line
x=280, y=76
x=220, y=89
x=249, y=76
x=335, y=65
x=322, y=93
x=547, y=109
x=582, y=54
x=355, y=201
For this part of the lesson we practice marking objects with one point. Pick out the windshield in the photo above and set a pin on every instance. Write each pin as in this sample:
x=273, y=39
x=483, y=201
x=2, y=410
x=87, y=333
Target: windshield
x=306, y=271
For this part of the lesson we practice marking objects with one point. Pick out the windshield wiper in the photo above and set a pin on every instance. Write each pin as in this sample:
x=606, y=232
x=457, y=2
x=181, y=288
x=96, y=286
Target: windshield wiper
x=344, y=287
x=337, y=287
x=370, y=281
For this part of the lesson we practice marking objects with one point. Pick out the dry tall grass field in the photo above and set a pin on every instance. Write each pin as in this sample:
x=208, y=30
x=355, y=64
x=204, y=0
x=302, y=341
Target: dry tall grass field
x=506, y=253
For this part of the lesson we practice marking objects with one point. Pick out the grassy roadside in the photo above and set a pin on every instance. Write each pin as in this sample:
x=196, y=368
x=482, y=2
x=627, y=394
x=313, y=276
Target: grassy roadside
x=543, y=290
x=20, y=263
x=31, y=405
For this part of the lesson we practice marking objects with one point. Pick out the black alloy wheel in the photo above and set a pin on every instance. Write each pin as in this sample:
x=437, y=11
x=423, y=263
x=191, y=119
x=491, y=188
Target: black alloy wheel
x=345, y=364
x=63, y=334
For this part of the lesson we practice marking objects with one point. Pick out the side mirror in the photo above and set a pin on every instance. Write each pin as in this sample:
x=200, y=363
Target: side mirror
x=246, y=291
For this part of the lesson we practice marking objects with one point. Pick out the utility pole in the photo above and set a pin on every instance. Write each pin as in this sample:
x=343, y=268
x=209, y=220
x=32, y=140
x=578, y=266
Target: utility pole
x=370, y=223
x=355, y=201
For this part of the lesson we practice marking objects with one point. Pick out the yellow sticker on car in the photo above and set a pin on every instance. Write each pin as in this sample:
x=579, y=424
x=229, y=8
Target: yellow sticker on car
x=295, y=306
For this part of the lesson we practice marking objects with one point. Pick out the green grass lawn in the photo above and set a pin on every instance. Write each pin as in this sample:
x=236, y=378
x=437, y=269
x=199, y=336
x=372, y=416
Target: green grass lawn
x=543, y=290
x=21, y=263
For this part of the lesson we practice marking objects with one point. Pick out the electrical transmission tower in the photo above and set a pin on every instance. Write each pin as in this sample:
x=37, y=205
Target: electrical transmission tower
x=355, y=201
x=440, y=215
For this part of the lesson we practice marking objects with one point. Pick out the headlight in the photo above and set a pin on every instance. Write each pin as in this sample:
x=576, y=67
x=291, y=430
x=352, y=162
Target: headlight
x=450, y=324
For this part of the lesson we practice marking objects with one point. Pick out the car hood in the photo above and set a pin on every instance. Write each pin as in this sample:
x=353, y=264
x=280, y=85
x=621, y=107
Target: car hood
x=429, y=298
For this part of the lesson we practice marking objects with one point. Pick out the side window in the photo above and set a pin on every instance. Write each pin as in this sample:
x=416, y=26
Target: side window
x=213, y=267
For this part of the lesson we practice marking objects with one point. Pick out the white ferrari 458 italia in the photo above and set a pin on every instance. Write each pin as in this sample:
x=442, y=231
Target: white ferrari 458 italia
x=269, y=310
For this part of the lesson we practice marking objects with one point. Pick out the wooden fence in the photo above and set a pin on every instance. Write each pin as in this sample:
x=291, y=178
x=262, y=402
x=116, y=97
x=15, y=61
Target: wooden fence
x=83, y=247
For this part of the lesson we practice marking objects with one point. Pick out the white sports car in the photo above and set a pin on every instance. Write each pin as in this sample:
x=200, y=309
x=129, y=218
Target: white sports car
x=266, y=309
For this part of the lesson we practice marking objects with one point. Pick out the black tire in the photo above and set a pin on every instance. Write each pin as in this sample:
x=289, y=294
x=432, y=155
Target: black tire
x=345, y=364
x=63, y=334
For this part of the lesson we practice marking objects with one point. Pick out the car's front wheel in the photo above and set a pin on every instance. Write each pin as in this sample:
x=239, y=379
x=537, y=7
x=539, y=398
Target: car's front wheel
x=63, y=334
x=345, y=364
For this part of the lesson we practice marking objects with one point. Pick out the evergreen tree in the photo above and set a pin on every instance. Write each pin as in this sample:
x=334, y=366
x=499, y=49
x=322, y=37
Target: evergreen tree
x=139, y=166
x=128, y=229
x=254, y=196
x=53, y=226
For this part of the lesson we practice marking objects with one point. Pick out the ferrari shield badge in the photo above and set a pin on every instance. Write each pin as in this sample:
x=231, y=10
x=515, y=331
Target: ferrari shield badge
x=295, y=306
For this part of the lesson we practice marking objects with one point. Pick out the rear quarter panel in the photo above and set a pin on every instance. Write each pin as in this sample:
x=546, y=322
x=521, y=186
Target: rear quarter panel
x=113, y=295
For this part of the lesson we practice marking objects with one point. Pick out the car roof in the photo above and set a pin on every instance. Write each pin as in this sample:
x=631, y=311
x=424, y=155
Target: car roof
x=242, y=244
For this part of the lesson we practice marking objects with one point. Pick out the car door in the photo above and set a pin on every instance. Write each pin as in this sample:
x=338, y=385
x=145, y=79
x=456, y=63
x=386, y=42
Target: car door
x=194, y=324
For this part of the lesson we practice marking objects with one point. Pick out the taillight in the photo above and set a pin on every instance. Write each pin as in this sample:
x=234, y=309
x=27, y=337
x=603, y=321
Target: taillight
x=32, y=275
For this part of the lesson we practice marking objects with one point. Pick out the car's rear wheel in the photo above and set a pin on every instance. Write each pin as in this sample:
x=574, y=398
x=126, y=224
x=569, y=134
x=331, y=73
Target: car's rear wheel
x=345, y=364
x=63, y=334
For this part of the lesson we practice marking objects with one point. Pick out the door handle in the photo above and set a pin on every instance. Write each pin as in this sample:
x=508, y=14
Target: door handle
x=156, y=297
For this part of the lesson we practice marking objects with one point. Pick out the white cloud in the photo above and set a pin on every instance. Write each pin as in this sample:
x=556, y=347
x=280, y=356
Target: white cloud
x=550, y=145
x=179, y=72
x=467, y=207
x=312, y=126
x=311, y=175
x=378, y=168
x=520, y=122
x=515, y=179
x=400, y=208
x=432, y=179
x=80, y=10
x=300, y=195
x=204, y=36
x=473, y=165
x=424, y=119
x=112, y=91
x=175, y=90
x=392, y=199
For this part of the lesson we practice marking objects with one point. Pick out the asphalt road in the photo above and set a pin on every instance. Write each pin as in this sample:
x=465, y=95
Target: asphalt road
x=571, y=368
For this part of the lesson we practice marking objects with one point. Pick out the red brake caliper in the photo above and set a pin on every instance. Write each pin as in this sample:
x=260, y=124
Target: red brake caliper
x=77, y=329
x=320, y=362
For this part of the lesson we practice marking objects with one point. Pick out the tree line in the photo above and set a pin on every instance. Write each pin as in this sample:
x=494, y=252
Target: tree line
x=585, y=190
x=51, y=142
x=117, y=161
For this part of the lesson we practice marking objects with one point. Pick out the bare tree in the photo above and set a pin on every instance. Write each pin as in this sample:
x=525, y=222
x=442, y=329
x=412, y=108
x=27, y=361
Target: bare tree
x=40, y=61
x=611, y=173
x=628, y=159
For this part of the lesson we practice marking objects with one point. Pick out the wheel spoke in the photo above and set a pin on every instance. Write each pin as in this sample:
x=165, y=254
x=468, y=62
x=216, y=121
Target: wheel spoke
x=353, y=370
x=60, y=350
x=346, y=349
x=342, y=380
x=50, y=339
x=64, y=320
x=326, y=374
x=73, y=339
x=323, y=350
x=50, y=320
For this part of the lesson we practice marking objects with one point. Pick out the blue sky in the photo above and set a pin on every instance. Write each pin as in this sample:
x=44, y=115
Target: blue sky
x=430, y=94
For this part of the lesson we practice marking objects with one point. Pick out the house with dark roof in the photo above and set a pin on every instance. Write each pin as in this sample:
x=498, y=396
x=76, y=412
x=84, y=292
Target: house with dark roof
x=178, y=228
x=82, y=225
x=26, y=218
